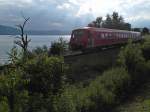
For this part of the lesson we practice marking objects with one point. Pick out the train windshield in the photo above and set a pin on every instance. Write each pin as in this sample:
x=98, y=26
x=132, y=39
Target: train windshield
x=77, y=34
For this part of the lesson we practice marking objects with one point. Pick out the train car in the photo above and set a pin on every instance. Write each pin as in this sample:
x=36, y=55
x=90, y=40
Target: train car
x=90, y=37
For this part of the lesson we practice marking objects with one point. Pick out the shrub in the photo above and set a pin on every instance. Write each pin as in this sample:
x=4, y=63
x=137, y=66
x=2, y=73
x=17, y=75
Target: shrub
x=110, y=87
x=64, y=103
x=59, y=47
x=46, y=74
x=38, y=51
x=130, y=55
x=15, y=96
x=102, y=93
x=4, y=105
x=146, y=49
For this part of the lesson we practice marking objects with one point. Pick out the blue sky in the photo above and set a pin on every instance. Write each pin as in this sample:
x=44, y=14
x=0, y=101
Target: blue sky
x=70, y=14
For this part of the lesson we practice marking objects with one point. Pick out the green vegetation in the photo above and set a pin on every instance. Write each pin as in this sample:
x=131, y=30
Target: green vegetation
x=114, y=21
x=59, y=47
x=41, y=84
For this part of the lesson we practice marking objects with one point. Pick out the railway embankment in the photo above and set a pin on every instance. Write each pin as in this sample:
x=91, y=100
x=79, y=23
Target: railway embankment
x=87, y=66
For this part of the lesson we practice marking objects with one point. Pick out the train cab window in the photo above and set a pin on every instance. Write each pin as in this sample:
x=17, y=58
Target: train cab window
x=77, y=33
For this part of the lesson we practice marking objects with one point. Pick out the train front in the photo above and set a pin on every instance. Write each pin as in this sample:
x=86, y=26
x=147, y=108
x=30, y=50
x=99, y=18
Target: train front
x=78, y=39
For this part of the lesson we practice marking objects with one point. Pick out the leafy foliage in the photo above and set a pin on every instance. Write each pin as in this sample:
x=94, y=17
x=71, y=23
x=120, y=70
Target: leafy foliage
x=59, y=47
x=130, y=56
x=145, y=31
x=15, y=56
x=101, y=94
x=146, y=48
x=113, y=21
x=46, y=74
x=39, y=85
x=14, y=95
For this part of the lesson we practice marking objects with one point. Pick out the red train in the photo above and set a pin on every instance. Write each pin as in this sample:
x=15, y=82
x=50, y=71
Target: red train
x=90, y=37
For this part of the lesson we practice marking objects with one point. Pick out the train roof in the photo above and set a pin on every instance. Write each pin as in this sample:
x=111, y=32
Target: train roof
x=105, y=29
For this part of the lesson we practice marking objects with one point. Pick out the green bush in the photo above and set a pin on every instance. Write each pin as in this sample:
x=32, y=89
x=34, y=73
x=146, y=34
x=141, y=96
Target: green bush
x=131, y=57
x=102, y=93
x=146, y=49
x=12, y=89
x=4, y=107
x=46, y=74
x=58, y=47
x=38, y=51
x=110, y=87
x=64, y=103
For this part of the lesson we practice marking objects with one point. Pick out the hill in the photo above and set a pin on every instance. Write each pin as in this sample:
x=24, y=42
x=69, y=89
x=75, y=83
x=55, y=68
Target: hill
x=7, y=30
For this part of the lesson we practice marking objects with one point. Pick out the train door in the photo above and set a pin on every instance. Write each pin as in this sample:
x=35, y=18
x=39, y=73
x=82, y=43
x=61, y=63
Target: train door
x=90, y=40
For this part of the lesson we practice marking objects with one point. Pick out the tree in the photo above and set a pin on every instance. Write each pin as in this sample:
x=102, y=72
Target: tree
x=99, y=22
x=108, y=22
x=145, y=31
x=23, y=38
x=114, y=21
x=136, y=29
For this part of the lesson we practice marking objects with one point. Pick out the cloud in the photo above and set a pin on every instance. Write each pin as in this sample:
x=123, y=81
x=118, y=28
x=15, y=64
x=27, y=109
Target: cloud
x=69, y=14
x=64, y=6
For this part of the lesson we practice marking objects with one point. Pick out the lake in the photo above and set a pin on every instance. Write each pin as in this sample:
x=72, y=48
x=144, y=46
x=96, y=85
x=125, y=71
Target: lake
x=7, y=42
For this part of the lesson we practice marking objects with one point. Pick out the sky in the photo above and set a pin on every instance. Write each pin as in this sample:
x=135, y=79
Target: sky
x=70, y=14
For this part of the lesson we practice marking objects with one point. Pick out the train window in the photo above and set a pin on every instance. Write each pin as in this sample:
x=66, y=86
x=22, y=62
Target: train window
x=109, y=35
x=98, y=35
x=121, y=35
x=117, y=35
x=124, y=35
x=102, y=35
x=106, y=35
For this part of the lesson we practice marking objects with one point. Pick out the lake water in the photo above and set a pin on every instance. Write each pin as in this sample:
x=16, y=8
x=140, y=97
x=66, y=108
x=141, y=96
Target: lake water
x=7, y=42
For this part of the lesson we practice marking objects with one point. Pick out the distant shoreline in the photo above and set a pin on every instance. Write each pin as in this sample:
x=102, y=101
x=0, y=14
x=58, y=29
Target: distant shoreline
x=36, y=34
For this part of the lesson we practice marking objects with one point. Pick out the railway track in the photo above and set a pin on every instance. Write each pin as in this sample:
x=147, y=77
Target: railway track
x=91, y=51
